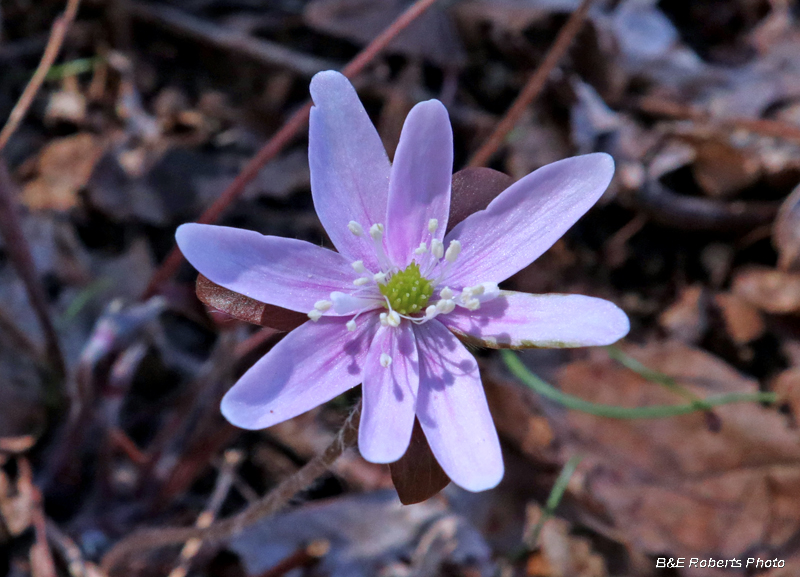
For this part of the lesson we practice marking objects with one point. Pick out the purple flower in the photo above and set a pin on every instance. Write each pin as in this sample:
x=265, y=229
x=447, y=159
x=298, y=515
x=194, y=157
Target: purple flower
x=386, y=310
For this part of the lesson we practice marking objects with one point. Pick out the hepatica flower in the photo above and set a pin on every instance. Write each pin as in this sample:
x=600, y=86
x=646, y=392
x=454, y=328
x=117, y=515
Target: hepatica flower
x=390, y=308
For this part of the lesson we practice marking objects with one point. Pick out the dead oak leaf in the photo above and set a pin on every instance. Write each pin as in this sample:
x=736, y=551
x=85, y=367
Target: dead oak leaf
x=63, y=168
x=672, y=485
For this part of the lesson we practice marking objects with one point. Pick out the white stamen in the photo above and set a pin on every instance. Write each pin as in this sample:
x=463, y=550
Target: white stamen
x=386, y=360
x=437, y=248
x=477, y=290
x=430, y=312
x=345, y=304
x=314, y=315
x=361, y=281
x=446, y=293
x=473, y=304
x=358, y=266
x=421, y=249
x=433, y=224
x=453, y=251
x=384, y=321
x=376, y=231
x=393, y=319
x=379, y=277
x=445, y=306
x=323, y=305
x=355, y=228
x=351, y=326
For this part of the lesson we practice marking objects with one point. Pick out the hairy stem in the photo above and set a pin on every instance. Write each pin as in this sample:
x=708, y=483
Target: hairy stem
x=147, y=539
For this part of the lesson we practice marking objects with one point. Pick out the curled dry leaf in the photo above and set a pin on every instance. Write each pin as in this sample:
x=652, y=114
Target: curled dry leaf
x=743, y=322
x=16, y=502
x=560, y=553
x=686, y=319
x=672, y=485
x=63, y=168
x=722, y=170
x=786, y=231
x=770, y=290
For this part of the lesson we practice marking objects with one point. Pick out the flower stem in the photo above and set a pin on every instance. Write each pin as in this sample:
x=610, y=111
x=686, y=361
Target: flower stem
x=271, y=503
x=548, y=391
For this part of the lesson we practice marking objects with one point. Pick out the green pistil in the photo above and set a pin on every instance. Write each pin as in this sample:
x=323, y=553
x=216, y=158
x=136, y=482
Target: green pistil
x=408, y=292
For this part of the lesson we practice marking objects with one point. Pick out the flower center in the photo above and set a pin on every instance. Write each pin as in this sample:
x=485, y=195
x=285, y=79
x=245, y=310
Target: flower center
x=407, y=291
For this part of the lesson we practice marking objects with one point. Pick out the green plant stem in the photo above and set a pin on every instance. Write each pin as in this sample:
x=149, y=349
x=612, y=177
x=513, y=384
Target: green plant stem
x=556, y=494
x=519, y=370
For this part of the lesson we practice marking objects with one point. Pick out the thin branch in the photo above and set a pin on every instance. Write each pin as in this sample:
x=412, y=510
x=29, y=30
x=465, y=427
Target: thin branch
x=57, y=34
x=239, y=43
x=658, y=106
x=148, y=539
x=20, y=255
x=533, y=87
x=283, y=137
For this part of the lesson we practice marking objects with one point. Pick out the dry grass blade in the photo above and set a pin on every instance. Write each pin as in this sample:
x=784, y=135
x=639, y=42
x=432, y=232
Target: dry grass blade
x=57, y=34
x=533, y=87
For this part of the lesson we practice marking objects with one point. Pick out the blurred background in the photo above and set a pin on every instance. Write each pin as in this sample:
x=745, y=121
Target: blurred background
x=110, y=377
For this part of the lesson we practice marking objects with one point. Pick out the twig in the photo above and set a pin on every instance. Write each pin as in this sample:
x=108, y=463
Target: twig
x=69, y=551
x=275, y=500
x=230, y=461
x=681, y=211
x=20, y=254
x=57, y=34
x=657, y=106
x=281, y=138
x=303, y=557
x=41, y=557
x=533, y=87
x=237, y=42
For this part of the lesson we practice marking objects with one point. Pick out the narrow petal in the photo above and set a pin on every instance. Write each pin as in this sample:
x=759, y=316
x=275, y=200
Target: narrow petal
x=452, y=409
x=527, y=218
x=349, y=166
x=311, y=365
x=419, y=187
x=520, y=320
x=284, y=272
x=389, y=395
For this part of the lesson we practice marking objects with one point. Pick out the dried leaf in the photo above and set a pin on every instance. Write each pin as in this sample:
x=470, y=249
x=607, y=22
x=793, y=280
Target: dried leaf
x=722, y=170
x=64, y=167
x=686, y=319
x=673, y=485
x=770, y=290
x=786, y=231
x=560, y=553
x=742, y=320
x=16, y=503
